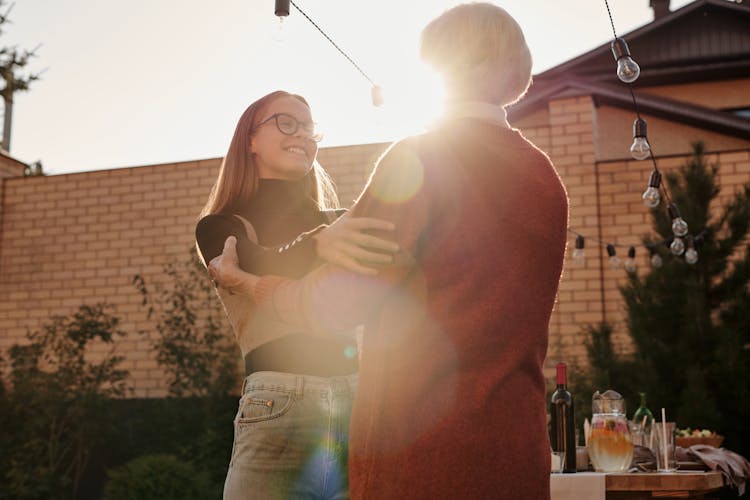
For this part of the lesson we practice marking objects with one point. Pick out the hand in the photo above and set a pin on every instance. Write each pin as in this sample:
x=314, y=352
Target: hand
x=345, y=243
x=225, y=270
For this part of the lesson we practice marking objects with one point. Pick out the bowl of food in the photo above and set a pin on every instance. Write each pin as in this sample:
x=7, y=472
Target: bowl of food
x=686, y=438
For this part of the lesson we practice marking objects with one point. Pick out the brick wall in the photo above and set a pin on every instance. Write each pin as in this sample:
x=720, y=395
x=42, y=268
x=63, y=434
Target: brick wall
x=80, y=238
x=75, y=239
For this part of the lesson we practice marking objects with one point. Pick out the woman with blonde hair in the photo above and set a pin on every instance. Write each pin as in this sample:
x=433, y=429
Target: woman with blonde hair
x=273, y=197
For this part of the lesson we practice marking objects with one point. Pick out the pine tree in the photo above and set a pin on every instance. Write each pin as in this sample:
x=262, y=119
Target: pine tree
x=690, y=323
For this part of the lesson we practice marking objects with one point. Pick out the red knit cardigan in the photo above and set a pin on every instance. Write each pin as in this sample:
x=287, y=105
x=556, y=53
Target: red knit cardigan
x=451, y=397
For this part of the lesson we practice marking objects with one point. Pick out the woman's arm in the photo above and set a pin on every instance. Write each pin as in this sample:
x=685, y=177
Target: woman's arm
x=332, y=299
x=212, y=231
x=346, y=242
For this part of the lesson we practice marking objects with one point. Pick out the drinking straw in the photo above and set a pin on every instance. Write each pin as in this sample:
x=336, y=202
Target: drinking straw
x=643, y=430
x=664, y=437
x=586, y=431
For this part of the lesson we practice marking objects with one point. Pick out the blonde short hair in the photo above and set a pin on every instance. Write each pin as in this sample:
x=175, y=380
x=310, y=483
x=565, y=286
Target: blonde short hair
x=481, y=52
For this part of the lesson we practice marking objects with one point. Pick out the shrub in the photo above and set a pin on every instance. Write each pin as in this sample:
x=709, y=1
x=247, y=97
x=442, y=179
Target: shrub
x=157, y=477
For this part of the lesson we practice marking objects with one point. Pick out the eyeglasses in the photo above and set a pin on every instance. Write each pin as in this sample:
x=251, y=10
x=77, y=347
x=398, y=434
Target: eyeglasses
x=289, y=125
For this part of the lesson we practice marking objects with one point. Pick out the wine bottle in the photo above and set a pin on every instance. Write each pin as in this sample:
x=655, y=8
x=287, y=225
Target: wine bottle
x=643, y=412
x=563, y=421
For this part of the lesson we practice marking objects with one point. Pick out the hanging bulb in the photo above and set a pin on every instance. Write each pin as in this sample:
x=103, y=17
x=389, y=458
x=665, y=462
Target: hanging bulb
x=278, y=34
x=281, y=10
x=377, y=96
x=691, y=254
x=630, y=265
x=656, y=260
x=614, y=260
x=679, y=226
x=651, y=196
x=627, y=69
x=677, y=247
x=578, y=253
x=640, y=148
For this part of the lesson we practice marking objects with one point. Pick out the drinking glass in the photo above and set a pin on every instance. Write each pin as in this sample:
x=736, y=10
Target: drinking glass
x=664, y=446
x=558, y=461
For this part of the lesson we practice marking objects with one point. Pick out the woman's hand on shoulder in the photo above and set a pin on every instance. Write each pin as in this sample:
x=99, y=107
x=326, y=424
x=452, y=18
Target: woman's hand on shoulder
x=346, y=243
x=225, y=271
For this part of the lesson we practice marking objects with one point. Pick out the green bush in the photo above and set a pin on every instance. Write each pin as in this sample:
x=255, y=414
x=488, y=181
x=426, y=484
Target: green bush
x=157, y=477
x=53, y=411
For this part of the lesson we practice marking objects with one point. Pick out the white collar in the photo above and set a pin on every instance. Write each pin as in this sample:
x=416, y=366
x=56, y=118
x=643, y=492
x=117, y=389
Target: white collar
x=477, y=109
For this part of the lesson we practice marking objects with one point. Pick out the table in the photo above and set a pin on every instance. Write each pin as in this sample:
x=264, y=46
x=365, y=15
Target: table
x=634, y=486
x=663, y=485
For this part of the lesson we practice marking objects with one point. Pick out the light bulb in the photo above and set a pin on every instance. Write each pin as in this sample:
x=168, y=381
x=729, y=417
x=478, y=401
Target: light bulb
x=278, y=34
x=377, y=96
x=651, y=196
x=614, y=260
x=640, y=148
x=281, y=9
x=677, y=247
x=656, y=261
x=691, y=256
x=627, y=69
x=630, y=265
x=679, y=226
x=579, y=255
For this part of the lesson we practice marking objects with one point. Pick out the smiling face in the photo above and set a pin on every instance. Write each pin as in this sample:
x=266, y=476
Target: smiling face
x=281, y=156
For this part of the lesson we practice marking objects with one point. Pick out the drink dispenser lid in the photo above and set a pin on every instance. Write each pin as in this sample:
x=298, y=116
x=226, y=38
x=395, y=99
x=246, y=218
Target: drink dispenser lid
x=608, y=402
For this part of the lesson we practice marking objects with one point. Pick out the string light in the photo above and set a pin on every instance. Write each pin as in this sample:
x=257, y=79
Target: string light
x=651, y=196
x=677, y=247
x=691, y=254
x=628, y=70
x=640, y=150
x=282, y=9
x=630, y=264
x=614, y=260
x=679, y=226
x=579, y=255
x=377, y=96
x=656, y=260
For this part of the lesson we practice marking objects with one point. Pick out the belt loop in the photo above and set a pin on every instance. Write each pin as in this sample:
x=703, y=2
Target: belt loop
x=244, y=384
x=299, y=387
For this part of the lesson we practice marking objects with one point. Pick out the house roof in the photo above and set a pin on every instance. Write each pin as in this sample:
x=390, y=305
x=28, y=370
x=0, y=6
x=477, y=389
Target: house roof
x=703, y=41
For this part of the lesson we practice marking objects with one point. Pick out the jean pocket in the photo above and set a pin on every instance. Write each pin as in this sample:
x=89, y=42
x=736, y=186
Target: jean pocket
x=262, y=405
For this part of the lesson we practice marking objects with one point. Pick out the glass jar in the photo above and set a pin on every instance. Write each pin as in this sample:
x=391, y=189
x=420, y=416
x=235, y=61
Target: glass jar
x=610, y=444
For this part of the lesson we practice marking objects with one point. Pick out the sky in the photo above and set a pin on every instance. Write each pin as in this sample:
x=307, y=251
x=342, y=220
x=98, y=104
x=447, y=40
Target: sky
x=159, y=81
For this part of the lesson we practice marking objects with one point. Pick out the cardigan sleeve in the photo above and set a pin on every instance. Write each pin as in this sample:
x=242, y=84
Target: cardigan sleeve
x=212, y=231
x=331, y=299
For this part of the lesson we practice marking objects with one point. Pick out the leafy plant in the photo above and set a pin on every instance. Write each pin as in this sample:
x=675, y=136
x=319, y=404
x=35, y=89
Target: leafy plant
x=158, y=477
x=193, y=345
x=54, y=410
x=197, y=351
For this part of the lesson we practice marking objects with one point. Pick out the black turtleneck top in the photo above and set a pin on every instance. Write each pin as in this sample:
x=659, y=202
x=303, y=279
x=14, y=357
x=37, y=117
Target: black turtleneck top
x=284, y=218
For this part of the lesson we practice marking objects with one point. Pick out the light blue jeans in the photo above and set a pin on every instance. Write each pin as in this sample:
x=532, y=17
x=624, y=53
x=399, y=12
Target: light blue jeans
x=291, y=438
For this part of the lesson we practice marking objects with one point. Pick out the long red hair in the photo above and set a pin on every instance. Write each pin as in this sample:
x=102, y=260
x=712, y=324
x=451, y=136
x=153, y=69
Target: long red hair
x=238, y=176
